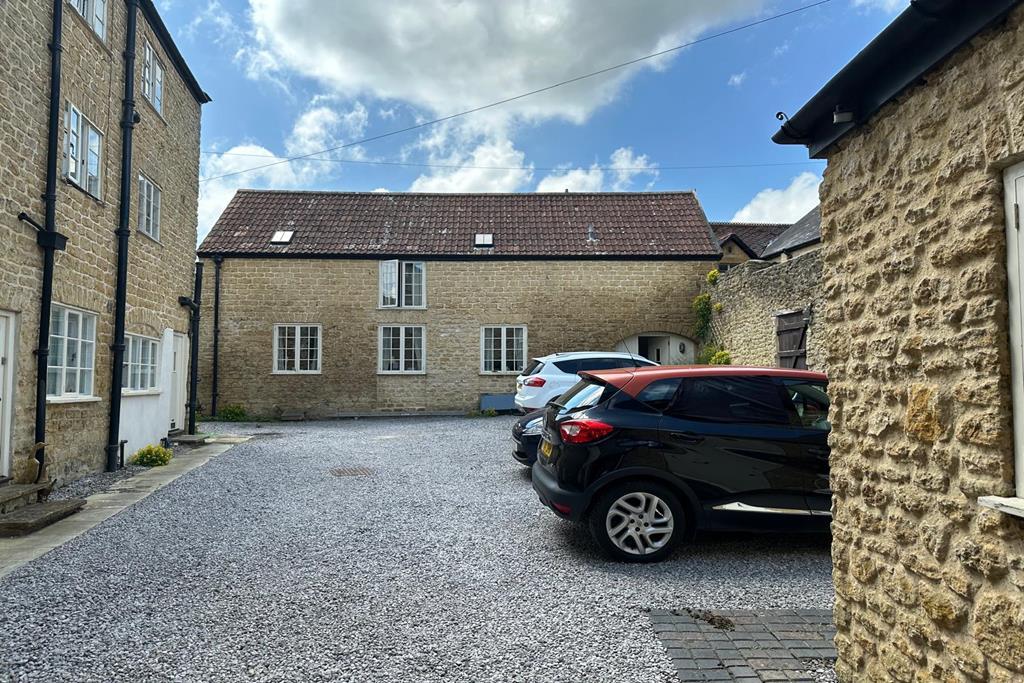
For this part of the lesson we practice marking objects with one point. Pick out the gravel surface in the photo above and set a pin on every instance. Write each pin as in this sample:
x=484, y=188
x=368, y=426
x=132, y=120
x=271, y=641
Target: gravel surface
x=440, y=566
x=95, y=483
x=824, y=671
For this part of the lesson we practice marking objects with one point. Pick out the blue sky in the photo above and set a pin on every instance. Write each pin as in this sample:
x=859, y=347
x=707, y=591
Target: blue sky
x=291, y=77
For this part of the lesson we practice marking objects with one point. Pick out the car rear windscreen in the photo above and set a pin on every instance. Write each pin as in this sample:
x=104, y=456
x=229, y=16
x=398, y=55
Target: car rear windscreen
x=533, y=368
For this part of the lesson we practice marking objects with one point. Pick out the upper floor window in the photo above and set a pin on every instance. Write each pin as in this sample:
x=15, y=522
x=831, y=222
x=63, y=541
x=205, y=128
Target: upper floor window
x=83, y=152
x=503, y=349
x=149, y=207
x=297, y=349
x=402, y=284
x=95, y=14
x=153, y=78
x=140, y=363
x=69, y=372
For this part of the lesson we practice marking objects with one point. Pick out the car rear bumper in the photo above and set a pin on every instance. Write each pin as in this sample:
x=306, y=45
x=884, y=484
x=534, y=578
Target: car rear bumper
x=566, y=504
x=525, y=449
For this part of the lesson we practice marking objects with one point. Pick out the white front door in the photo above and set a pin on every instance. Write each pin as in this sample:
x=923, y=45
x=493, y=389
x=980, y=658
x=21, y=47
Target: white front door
x=179, y=381
x=6, y=390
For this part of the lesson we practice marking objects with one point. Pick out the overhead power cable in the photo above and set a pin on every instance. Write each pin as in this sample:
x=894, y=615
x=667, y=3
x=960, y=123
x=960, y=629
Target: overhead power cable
x=506, y=100
x=593, y=167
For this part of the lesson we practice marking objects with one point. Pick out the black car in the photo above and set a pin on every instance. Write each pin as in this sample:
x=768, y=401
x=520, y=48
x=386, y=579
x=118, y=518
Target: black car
x=648, y=456
x=526, y=437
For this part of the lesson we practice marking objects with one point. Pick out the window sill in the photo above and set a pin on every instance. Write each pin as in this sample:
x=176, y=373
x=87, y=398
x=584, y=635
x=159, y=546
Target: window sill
x=296, y=372
x=401, y=308
x=400, y=373
x=73, y=183
x=140, y=392
x=139, y=231
x=152, y=107
x=73, y=399
x=1011, y=506
x=511, y=373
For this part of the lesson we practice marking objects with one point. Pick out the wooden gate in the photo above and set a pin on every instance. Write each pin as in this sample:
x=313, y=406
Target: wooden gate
x=791, y=329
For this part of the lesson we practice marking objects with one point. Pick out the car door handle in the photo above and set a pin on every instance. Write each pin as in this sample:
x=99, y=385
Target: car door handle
x=685, y=437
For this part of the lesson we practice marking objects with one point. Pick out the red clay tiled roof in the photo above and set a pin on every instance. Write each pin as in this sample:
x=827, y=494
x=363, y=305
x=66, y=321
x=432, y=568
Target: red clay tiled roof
x=594, y=225
x=754, y=235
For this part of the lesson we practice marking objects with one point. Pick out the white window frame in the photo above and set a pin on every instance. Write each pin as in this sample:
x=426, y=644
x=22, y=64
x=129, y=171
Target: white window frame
x=149, y=207
x=504, y=339
x=62, y=395
x=384, y=277
x=94, y=12
x=401, y=350
x=1013, y=179
x=297, y=330
x=153, y=73
x=79, y=133
x=133, y=363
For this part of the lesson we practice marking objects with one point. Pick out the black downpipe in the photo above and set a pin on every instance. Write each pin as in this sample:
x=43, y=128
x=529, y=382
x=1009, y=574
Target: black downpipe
x=217, y=261
x=194, y=306
x=128, y=121
x=48, y=236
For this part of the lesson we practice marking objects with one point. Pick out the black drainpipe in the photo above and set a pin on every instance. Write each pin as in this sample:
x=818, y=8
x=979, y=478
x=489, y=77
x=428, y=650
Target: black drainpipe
x=128, y=121
x=194, y=306
x=217, y=261
x=48, y=238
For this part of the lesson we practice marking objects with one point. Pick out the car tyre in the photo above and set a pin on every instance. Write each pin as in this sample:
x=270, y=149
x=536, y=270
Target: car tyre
x=637, y=521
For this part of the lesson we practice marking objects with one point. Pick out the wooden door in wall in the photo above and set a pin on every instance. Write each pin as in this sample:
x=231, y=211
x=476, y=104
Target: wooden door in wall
x=791, y=329
x=179, y=381
x=6, y=390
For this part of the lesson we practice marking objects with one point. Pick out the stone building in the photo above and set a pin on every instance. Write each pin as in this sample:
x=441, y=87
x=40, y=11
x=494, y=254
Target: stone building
x=333, y=303
x=741, y=242
x=924, y=136
x=769, y=308
x=87, y=106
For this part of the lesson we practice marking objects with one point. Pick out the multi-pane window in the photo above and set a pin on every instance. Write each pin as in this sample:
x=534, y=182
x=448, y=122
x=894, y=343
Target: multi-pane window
x=95, y=14
x=297, y=349
x=149, y=207
x=402, y=348
x=83, y=151
x=152, y=78
x=140, y=363
x=70, y=363
x=503, y=349
x=402, y=284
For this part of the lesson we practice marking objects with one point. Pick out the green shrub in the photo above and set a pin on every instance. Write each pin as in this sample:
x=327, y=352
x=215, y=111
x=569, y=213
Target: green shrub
x=490, y=412
x=702, y=309
x=718, y=307
x=721, y=358
x=233, y=413
x=706, y=353
x=712, y=276
x=151, y=456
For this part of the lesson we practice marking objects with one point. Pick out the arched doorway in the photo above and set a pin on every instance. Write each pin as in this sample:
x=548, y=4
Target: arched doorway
x=661, y=347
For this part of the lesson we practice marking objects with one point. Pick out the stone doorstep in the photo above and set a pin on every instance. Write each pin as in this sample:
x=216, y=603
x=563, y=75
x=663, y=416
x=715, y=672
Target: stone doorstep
x=31, y=518
x=15, y=496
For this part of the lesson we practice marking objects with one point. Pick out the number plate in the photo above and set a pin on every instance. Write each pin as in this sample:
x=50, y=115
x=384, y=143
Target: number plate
x=546, y=448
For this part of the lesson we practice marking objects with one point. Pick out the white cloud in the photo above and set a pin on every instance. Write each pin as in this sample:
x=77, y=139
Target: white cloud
x=781, y=49
x=322, y=126
x=736, y=80
x=495, y=151
x=445, y=56
x=891, y=6
x=785, y=205
x=625, y=167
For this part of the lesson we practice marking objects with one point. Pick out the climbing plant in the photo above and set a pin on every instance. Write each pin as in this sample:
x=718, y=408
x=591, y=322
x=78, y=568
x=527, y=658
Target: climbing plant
x=702, y=308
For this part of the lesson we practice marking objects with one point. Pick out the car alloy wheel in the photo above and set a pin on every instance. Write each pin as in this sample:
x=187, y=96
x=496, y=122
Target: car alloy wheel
x=639, y=523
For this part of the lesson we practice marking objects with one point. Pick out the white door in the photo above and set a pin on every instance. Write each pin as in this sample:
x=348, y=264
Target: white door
x=6, y=390
x=179, y=381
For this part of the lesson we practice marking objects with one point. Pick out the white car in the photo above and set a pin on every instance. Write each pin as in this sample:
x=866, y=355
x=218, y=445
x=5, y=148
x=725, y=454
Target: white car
x=551, y=376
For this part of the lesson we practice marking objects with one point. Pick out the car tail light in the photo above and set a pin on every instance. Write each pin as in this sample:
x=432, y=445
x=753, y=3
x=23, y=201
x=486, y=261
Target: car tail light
x=534, y=382
x=584, y=431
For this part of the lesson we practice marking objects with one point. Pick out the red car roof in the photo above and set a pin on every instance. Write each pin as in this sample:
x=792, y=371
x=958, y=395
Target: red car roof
x=639, y=378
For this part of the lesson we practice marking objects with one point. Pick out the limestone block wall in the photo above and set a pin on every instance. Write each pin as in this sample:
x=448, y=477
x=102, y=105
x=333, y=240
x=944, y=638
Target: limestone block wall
x=929, y=586
x=566, y=306
x=753, y=293
x=166, y=147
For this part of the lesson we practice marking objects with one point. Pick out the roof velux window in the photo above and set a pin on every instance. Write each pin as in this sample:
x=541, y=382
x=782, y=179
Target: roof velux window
x=282, y=237
x=484, y=240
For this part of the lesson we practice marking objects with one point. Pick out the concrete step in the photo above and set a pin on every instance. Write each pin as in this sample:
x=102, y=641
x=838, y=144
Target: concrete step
x=14, y=496
x=34, y=517
x=189, y=439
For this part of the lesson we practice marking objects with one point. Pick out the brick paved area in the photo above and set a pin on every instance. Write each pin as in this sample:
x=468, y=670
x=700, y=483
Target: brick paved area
x=749, y=646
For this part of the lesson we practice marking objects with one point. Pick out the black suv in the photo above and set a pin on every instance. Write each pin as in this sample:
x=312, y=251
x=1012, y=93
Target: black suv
x=649, y=455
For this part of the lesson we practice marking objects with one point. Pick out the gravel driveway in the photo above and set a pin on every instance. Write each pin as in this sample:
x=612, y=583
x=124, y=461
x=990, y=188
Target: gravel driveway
x=441, y=565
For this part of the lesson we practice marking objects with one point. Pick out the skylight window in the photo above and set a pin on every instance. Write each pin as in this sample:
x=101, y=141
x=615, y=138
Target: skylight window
x=282, y=237
x=484, y=240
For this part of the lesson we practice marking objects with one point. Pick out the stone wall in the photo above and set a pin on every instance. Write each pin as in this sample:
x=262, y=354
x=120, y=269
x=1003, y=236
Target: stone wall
x=752, y=294
x=566, y=306
x=165, y=147
x=928, y=584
